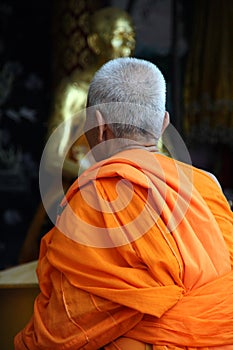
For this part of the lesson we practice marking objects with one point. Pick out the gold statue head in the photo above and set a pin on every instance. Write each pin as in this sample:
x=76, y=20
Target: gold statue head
x=112, y=33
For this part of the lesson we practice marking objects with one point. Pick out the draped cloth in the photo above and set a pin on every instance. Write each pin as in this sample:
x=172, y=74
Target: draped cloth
x=142, y=248
x=208, y=85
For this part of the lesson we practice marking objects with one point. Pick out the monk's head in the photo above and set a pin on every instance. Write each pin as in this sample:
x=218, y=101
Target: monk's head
x=126, y=105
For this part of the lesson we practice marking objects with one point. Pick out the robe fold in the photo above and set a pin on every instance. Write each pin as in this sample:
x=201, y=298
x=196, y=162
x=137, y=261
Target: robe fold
x=142, y=249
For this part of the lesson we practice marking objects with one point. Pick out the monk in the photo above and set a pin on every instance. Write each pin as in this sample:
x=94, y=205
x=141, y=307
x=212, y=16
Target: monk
x=141, y=253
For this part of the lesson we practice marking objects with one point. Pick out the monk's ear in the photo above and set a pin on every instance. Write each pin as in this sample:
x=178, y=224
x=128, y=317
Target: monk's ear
x=101, y=125
x=166, y=121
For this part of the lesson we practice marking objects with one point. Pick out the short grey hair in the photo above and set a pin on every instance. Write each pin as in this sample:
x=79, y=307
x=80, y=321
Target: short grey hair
x=131, y=95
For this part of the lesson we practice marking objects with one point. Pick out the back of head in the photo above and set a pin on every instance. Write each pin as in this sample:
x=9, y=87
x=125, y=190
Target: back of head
x=131, y=95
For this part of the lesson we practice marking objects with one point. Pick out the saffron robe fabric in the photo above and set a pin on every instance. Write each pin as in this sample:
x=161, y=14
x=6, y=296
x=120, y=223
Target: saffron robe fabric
x=142, y=249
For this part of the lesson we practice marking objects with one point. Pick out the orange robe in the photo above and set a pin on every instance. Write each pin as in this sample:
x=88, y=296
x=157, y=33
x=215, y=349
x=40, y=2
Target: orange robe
x=142, y=249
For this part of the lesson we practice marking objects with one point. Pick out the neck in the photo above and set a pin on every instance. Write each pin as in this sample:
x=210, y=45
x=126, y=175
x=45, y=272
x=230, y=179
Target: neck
x=126, y=144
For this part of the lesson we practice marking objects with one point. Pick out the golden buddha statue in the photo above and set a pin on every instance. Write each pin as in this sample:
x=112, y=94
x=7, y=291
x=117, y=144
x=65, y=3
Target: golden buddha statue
x=111, y=35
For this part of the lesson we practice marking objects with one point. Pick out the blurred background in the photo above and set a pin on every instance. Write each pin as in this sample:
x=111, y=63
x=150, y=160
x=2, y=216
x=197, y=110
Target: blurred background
x=41, y=42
